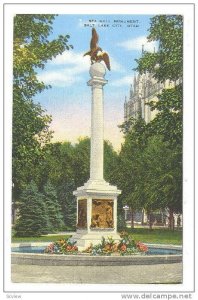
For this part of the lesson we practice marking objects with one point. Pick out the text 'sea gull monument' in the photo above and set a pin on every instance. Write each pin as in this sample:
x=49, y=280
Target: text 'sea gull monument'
x=97, y=199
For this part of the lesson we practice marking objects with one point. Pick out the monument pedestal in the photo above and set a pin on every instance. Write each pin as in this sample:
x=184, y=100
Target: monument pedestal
x=96, y=213
x=97, y=199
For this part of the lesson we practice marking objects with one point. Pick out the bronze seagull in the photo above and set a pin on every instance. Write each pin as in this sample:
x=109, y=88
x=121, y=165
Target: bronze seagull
x=96, y=53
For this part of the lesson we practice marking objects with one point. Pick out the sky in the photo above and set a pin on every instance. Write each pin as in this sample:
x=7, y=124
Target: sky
x=69, y=99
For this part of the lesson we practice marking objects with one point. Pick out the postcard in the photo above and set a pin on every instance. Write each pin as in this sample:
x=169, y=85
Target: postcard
x=98, y=139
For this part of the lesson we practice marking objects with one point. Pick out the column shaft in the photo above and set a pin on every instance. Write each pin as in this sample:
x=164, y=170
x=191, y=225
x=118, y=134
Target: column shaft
x=97, y=134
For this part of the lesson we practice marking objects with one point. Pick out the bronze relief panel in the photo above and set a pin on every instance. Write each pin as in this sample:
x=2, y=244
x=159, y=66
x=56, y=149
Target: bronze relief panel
x=102, y=214
x=82, y=214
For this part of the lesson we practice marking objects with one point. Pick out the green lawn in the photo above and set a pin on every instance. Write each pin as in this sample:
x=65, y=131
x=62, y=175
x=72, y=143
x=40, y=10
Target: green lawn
x=155, y=236
x=43, y=238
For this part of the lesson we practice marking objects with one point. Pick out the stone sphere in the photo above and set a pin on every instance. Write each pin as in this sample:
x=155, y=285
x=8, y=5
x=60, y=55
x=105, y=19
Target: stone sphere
x=97, y=70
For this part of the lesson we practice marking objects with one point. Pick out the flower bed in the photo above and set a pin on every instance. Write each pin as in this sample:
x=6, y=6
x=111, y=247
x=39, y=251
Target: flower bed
x=64, y=246
x=126, y=246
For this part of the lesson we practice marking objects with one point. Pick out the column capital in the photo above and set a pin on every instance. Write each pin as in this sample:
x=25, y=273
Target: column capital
x=97, y=82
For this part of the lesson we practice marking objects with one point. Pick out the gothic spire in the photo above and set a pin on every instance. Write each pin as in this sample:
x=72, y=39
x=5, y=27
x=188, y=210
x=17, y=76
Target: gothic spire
x=134, y=83
x=131, y=91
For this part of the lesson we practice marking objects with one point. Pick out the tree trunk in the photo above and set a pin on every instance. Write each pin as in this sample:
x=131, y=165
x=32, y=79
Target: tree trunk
x=150, y=220
x=132, y=218
x=143, y=212
x=171, y=219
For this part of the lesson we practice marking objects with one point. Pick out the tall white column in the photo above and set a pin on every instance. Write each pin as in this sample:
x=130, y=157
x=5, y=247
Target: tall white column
x=97, y=72
x=96, y=187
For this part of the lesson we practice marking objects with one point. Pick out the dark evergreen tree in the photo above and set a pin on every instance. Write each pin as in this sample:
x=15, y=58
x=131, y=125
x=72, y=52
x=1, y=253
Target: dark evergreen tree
x=33, y=218
x=54, y=213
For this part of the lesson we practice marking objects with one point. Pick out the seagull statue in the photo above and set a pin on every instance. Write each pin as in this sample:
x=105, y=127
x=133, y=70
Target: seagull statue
x=96, y=53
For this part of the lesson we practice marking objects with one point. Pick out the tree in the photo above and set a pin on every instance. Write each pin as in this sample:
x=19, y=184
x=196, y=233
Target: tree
x=32, y=48
x=57, y=168
x=148, y=181
x=33, y=218
x=167, y=64
x=81, y=161
x=29, y=121
x=67, y=167
x=68, y=202
x=110, y=163
x=161, y=176
x=54, y=214
x=169, y=120
x=129, y=164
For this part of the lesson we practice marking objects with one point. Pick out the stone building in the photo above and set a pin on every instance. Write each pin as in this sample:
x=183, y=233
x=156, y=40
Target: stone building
x=144, y=89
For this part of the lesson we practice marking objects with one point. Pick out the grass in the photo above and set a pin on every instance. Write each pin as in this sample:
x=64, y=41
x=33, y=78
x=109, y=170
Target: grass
x=155, y=236
x=43, y=238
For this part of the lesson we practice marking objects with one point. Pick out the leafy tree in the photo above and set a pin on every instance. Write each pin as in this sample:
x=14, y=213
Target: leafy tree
x=55, y=164
x=67, y=167
x=29, y=122
x=167, y=64
x=129, y=165
x=110, y=163
x=53, y=208
x=81, y=161
x=68, y=203
x=169, y=121
x=148, y=181
x=33, y=219
x=32, y=48
x=162, y=178
x=57, y=168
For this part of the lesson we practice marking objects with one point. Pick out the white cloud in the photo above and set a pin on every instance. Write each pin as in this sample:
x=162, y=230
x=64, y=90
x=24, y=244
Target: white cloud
x=59, y=78
x=136, y=44
x=74, y=65
x=70, y=58
x=81, y=62
x=126, y=80
x=115, y=66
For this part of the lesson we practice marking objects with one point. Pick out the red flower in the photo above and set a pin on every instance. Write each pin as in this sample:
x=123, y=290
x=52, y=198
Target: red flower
x=142, y=247
x=69, y=248
x=123, y=247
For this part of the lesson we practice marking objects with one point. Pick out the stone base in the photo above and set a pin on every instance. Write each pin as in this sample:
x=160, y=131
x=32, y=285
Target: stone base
x=95, y=190
x=97, y=187
x=84, y=238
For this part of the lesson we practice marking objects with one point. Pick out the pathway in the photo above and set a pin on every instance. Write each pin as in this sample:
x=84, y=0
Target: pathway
x=164, y=273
